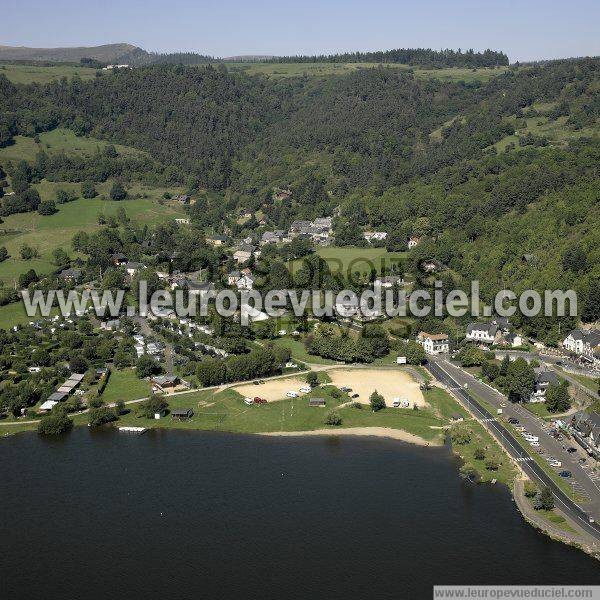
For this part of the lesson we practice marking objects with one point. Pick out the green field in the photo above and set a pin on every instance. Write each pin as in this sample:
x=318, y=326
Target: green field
x=41, y=74
x=55, y=141
x=350, y=260
x=299, y=352
x=282, y=70
x=125, y=385
x=49, y=232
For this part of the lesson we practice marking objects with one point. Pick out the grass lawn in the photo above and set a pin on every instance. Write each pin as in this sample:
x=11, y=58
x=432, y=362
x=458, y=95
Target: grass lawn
x=538, y=408
x=56, y=141
x=299, y=351
x=40, y=74
x=350, y=260
x=124, y=385
x=14, y=314
x=284, y=70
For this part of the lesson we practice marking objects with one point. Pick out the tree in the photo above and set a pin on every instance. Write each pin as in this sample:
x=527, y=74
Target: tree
x=520, y=380
x=88, y=190
x=471, y=356
x=3, y=253
x=59, y=257
x=479, y=453
x=27, y=252
x=333, y=418
x=55, y=423
x=148, y=408
x=146, y=366
x=312, y=379
x=119, y=408
x=47, y=208
x=415, y=353
x=117, y=191
x=591, y=303
x=460, y=436
x=545, y=500
x=78, y=364
x=557, y=397
x=377, y=401
x=100, y=416
x=492, y=464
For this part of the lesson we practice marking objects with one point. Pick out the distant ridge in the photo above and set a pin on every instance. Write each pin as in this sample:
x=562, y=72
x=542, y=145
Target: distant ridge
x=108, y=53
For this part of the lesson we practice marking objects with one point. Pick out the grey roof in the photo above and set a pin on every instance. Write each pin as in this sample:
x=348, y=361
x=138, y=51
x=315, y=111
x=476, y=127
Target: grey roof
x=590, y=336
x=181, y=412
x=489, y=328
x=543, y=376
x=57, y=397
x=71, y=274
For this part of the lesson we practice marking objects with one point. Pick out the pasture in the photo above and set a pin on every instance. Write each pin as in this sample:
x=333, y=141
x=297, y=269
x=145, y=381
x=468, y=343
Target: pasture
x=41, y=74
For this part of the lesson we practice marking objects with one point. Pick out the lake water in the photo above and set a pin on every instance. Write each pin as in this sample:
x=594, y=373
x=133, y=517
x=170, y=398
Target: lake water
x=205, y=515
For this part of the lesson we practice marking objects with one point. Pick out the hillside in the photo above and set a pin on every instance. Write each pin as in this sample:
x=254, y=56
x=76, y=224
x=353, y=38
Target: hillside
x=110, y=53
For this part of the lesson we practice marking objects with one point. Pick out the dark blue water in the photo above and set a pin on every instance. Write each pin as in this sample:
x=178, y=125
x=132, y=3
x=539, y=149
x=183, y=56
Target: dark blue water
x=205, y=515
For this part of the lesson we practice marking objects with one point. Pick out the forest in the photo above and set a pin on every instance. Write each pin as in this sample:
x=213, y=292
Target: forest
x=499, y=178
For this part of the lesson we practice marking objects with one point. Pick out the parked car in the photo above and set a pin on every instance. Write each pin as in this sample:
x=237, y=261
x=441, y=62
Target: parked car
x=555, y=463
x=256, y=382
x=534, y=444
x=355, y=395
x=565, y=474
x=513, y=421
x=248, y=401
x=582, y=461
x=571, y=450
x=345, y=389
x=305, y=389
x=259, y=400
x=292, y=394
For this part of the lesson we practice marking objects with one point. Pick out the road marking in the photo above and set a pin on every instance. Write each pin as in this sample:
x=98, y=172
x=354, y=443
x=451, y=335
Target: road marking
x=522, y=459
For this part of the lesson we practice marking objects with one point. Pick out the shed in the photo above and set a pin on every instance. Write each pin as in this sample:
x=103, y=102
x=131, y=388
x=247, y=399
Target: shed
x=57, y=397
x=316, y=402
x=182, y=413
x=47, y=406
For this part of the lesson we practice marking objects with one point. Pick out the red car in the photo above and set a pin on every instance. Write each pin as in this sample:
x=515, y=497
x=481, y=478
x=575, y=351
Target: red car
x=259, y=400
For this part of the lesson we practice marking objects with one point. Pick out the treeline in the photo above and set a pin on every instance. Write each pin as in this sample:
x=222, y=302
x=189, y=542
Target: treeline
x=258, y=363
x=410, y=56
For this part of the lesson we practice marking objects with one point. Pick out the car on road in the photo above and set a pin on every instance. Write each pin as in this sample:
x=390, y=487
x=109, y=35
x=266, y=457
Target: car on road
x=345, y=389
x=292, y=394
x=355, y=395
x=582, y=461
x=565, y=474
x=256, y=382
x=571, y=450
x=513, y=421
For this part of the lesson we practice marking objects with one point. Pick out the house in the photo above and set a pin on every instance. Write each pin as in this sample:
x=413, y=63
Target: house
x=245, y=282
x=182, y=221
x=300, y=226
x=216, y=240
x=233, y=277
x=241, y=256
x=118, y=259
x=71, y=275
x=413, y=241
x=502, y=322
x=323, y=223
x=586, y=430
x=165, y=382
x=375, y=236
x=514, y=340
x=434, y=343
x=316, y=402
x=431, y=266
x=584, y=342
x=484, y=333
x=282, y=194
x=131, y=268
x=183, y=414
x=196, y=288
x=183, y=199
x=272, y=237
x=111, y=325
x=389, y=281
x=543, y=379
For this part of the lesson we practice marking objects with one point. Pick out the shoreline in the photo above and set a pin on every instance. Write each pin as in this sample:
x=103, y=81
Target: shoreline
x=379, y=432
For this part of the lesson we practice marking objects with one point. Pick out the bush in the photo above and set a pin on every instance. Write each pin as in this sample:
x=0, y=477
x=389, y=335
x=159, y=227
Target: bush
x=460, y=436
x=151, y=406
x=357, y=405
x=530, y=490
x=545, y=500
x=146, y=367
x=479, y=454
x=100, y=416
x=333, y=418
x=88, y=190
x=492, y=464
x=377, y=401
x=55, y=424
x=117, y=192
x=47, y=208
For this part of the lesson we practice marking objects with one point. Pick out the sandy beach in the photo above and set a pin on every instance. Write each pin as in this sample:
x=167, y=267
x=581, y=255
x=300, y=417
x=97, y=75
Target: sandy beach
x=272, y=390
x=382, y=432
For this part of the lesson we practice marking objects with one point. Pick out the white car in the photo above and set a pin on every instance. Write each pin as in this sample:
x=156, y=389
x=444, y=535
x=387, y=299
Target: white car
x=292, y=394
x=305, y=389
x=534, y=444
x=248, y=401
x=555, y=463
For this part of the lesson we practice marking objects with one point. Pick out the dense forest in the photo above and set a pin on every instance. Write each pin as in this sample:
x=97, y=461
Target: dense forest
x=424, y=57
x=464, y=165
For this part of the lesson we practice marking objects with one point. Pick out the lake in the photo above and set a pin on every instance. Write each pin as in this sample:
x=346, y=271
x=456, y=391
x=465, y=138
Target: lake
x=172, y=514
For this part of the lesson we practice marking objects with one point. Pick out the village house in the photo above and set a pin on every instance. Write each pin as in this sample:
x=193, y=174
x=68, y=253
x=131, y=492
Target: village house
x=434, y=343
x=272, y=237
x=586, y=430
x=183, y=199
x=389, y=281
x=324, y=224
x=375, y=236
x=245, y=282
x=413, y=241
x=216, y=240
x=282, y=194
x=243, y=254
x=118, y=259
x=514, y=340
x=543, y=379
x=71, y=275
x=233, y=277
x=585, y=343
x=484, y=333
x=131, y=268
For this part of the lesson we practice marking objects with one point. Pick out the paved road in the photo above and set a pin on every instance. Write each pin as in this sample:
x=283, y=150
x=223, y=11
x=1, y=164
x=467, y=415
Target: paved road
x=455, y=378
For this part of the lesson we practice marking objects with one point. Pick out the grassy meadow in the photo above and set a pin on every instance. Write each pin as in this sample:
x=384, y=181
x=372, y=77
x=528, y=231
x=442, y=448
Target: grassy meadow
x=41, y=74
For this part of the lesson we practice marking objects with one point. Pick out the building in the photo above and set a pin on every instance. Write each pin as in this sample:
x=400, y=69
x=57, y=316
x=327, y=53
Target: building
x=272, y=237
x=131, y=268
x=243, y=255
x=71, y=275
x=413, y=241
x=245, y=281
x=543, y=379
x=165, y=382
x=375, y=236
x=216, y=240
x=586, y=430
x=316, y=402
x=583, y=342
x=434, y=343
x=118, y=259
x=389, y=281
x=483, y=333
x=183, y=414
x=514, y=340
x=182, y=221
